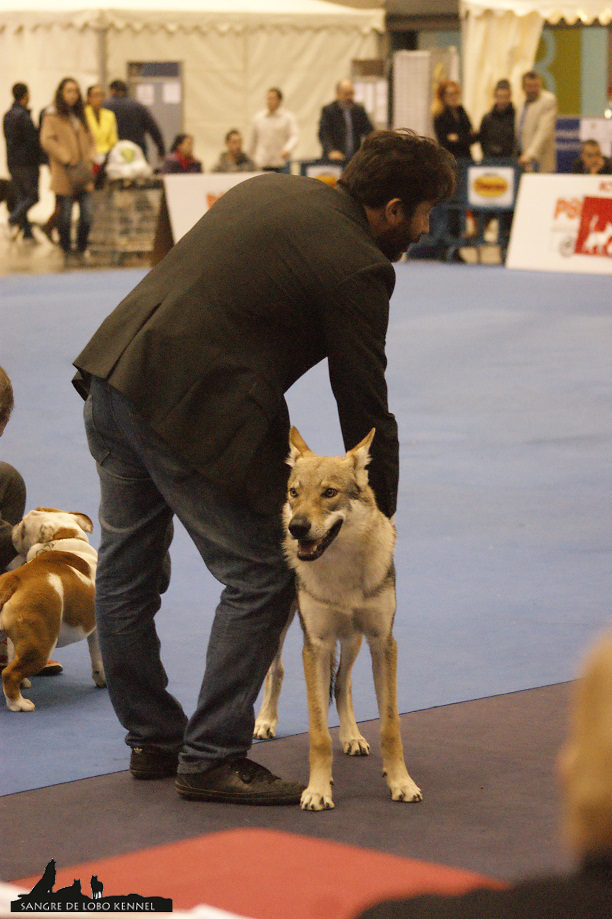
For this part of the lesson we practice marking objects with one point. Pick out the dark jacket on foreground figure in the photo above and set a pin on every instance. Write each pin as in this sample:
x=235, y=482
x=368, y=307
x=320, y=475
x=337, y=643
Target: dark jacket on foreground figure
x=281, y=273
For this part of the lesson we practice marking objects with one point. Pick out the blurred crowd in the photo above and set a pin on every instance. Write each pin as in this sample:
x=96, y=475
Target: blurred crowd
x=87, y=140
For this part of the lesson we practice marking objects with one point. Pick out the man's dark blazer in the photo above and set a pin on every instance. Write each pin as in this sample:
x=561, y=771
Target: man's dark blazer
x=280, y=273
x=332, y=127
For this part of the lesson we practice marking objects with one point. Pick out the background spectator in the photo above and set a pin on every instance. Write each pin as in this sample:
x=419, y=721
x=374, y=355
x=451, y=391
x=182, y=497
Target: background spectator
x=67, y=139
x=592, y=161
x=496, y=133
x=12, y=508
x=234, y=159
x=274, y=134
x=102, y=122
x=134, y=120
x=343, y=124
x=451, y=121
x=181, y=159
x=23, y=157
x=535, y=126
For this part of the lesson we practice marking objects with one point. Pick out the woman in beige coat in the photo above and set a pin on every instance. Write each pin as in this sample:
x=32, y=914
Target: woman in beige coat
x=66, y=137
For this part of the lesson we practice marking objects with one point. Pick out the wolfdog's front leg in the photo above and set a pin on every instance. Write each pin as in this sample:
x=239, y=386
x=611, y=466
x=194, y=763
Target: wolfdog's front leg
x=317, y=670
x=384, y=666
x=267, y=719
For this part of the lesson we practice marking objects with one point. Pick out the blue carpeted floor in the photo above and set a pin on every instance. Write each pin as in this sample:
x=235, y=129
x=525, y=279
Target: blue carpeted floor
x=499, y=382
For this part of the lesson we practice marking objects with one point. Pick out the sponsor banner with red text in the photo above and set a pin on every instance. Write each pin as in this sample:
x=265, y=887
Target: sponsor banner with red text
x=563, y=223
x=189, y=196
x=490, y=186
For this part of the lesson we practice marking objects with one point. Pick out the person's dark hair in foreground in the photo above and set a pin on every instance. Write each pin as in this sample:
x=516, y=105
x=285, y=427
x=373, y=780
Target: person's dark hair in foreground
x=585, y=771
x=400, y=164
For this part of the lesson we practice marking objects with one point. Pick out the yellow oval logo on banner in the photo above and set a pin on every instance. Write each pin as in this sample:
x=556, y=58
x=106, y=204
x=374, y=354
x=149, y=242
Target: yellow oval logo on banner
x=490, y=186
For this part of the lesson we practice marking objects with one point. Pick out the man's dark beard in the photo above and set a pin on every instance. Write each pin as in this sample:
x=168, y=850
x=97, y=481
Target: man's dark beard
x=393, y=244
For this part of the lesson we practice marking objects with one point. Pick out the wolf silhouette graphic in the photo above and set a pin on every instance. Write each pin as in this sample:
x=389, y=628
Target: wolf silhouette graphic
x=96, y=887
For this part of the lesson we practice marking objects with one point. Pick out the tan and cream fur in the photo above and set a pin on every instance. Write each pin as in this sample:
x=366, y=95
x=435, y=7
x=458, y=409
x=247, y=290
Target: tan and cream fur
x=48, y=601
x=340, y=546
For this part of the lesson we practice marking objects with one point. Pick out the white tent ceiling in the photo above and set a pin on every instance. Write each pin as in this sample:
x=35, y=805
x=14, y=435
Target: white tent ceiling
x=500, y=40
x=553, y=11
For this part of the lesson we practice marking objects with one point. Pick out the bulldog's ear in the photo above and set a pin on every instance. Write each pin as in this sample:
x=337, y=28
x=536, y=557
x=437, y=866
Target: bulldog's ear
x=298, y=448
x=83, y=521
x=361, y=453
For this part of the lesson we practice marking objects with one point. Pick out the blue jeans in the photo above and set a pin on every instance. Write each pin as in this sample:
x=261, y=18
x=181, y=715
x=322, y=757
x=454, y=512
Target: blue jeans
x=143, y=483
x=25, y=182
x=66, y=202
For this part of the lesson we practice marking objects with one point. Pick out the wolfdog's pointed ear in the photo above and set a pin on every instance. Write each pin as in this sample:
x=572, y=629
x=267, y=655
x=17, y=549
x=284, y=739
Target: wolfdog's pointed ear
x=83, y=521
x=297, y=447
x=361, y=453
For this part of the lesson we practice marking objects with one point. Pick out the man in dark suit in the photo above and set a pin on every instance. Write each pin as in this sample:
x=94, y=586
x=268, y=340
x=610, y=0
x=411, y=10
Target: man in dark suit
x=343, y=125
x=134, y=120
x=186, y=415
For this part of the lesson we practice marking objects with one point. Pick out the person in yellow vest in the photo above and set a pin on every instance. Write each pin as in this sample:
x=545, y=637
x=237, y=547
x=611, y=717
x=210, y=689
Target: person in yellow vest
x=102, y=124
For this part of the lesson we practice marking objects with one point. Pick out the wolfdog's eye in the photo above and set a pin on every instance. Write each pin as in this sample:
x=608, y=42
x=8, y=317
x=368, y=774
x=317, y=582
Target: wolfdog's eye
x=330, y=492
x=293, y=492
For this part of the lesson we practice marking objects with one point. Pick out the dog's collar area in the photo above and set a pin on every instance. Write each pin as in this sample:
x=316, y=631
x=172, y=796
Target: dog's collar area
x=311, y=549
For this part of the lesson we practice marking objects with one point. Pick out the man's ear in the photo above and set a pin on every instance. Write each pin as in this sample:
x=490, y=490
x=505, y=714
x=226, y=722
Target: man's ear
x=394, y=211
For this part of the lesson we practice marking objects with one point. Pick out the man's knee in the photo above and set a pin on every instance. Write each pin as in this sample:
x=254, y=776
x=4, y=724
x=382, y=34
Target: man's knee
x=12, y=494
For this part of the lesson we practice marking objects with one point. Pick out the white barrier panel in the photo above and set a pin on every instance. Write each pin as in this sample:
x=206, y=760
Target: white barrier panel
x=563, y=223
x=189, y=196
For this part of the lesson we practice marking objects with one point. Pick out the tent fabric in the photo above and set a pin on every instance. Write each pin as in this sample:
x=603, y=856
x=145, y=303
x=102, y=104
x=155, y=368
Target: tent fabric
x=500, y=40
x=232, y=51
x=552, y=11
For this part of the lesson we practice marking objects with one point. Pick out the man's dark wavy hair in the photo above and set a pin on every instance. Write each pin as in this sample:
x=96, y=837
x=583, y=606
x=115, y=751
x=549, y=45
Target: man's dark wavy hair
x=400, y=164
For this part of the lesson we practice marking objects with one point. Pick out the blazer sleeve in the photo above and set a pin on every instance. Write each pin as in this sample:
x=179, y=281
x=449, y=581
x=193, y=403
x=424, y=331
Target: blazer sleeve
x=545, y=129
x=355, y=320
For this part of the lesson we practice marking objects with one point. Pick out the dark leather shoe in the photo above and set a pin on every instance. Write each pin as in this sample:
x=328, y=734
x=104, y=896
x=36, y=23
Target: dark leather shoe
x=149, y=763
x=238, y=781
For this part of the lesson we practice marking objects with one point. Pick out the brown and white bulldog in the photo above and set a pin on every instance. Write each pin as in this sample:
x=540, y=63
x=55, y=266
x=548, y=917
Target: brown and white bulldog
x=48, y=601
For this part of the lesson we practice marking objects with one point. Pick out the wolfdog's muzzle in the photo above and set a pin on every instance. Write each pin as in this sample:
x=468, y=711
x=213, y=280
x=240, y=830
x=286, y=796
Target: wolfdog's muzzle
x=311, y=549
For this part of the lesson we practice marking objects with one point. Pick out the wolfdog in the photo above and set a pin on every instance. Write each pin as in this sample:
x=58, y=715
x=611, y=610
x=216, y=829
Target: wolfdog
x=340, y=546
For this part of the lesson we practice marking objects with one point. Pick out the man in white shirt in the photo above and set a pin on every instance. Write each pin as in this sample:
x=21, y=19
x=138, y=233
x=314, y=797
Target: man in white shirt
x=274, y=135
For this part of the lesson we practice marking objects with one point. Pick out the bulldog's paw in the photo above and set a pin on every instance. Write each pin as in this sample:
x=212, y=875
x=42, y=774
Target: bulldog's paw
x=356, y=746
x=20, y=705
x=26, y=684
x=265, y=728
x=405, y=790
x=99, y=678
x=316, y=799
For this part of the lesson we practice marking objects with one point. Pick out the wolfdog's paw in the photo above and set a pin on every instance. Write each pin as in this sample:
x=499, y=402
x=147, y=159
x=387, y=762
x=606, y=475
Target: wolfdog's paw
x=265, y=728
x=405, y=790
x=314, y=799
x=356, y=746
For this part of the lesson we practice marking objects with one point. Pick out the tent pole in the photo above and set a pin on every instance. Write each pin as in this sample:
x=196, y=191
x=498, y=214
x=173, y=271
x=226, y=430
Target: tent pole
x=102, y=54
